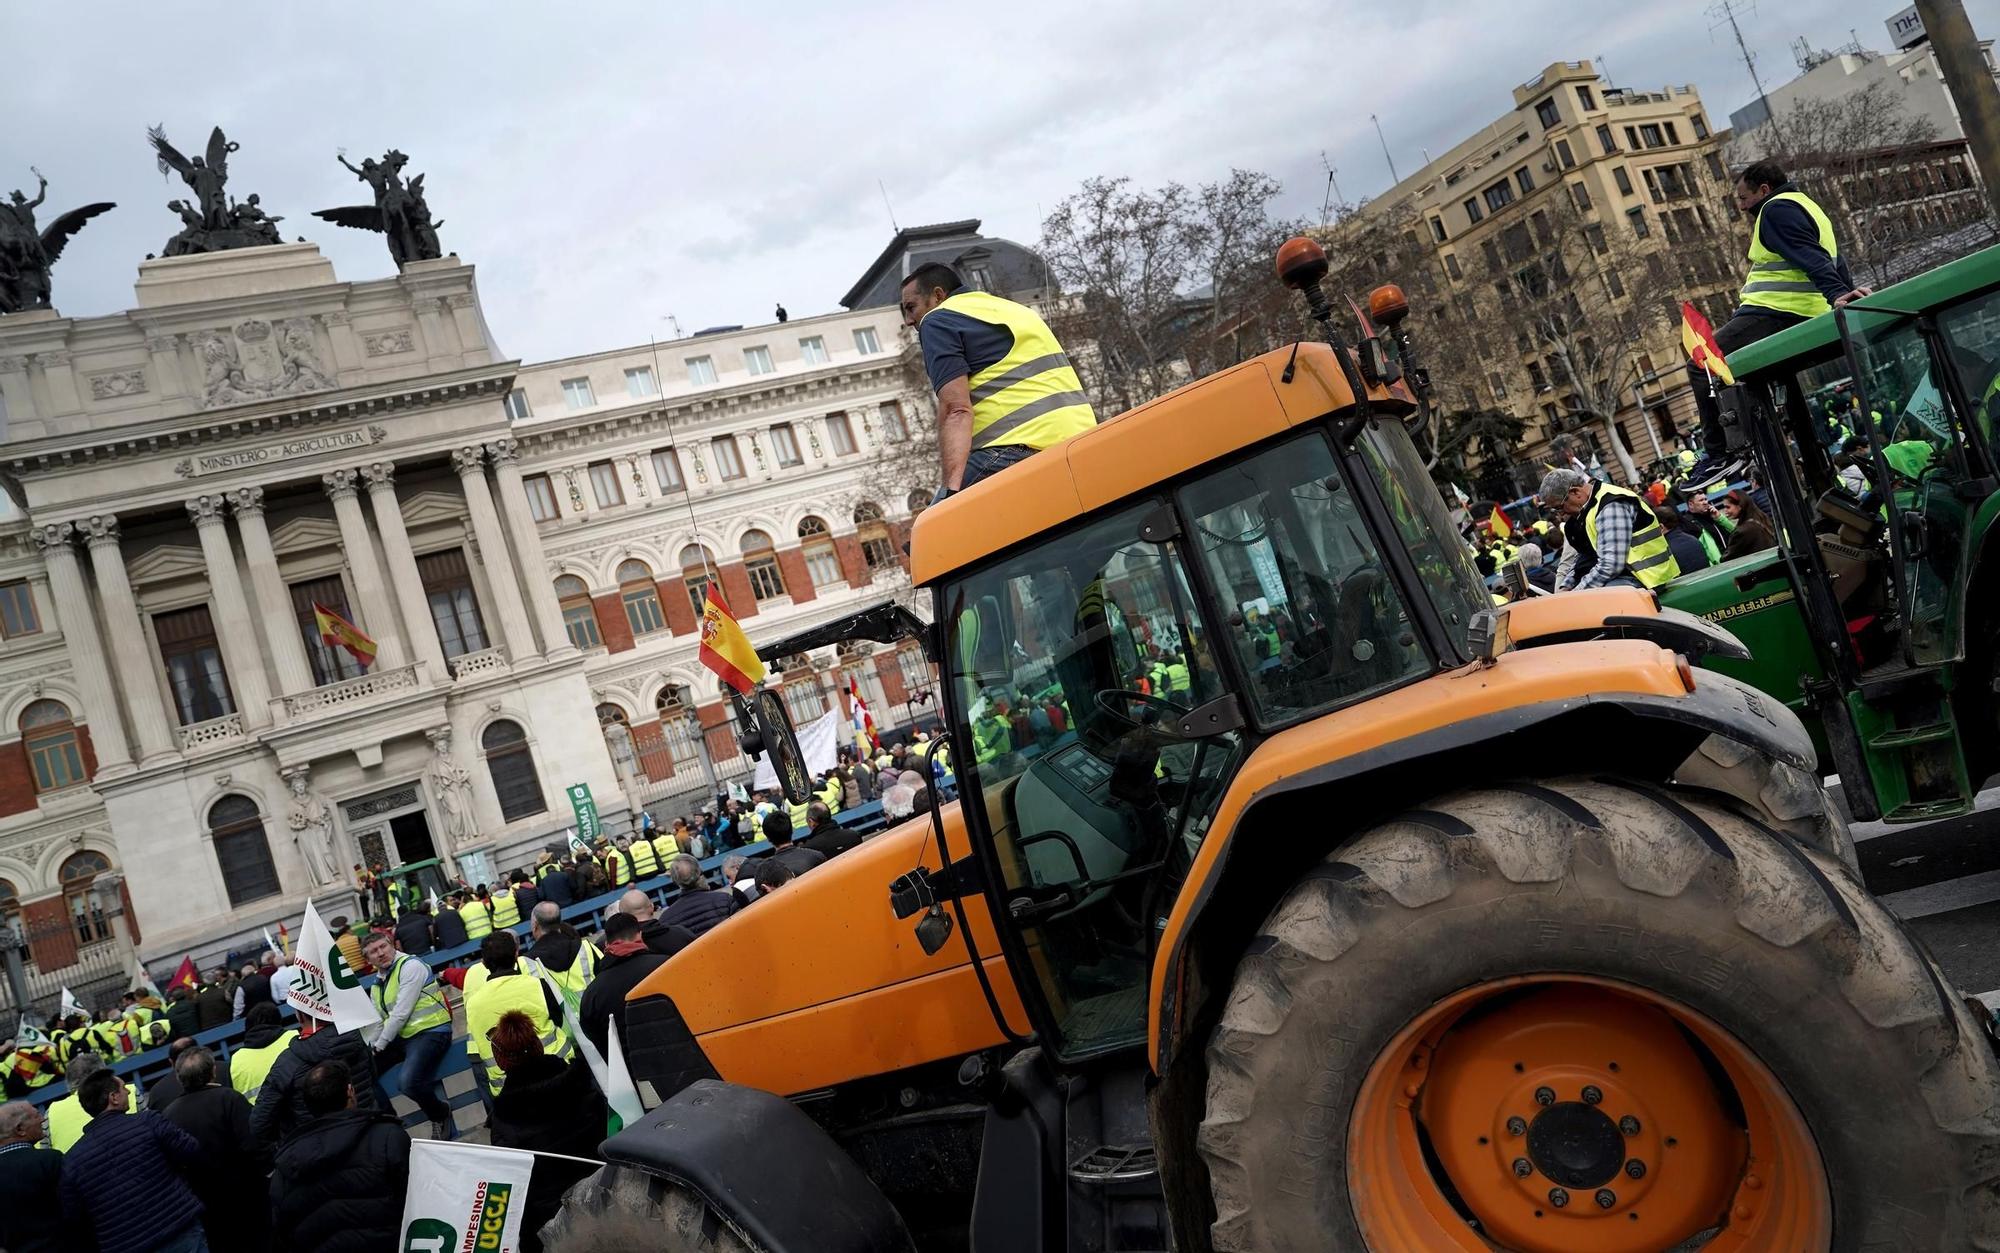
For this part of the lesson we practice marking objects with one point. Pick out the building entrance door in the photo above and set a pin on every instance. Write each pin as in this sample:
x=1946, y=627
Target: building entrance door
x=412, y=833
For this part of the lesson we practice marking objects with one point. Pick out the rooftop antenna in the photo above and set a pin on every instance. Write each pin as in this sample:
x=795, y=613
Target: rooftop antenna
x=1603, y=70
x=886, y=205
x=1393, y=177
x=687, y=498
x=1724, y=13
x=674, y=322
x=1332, y=188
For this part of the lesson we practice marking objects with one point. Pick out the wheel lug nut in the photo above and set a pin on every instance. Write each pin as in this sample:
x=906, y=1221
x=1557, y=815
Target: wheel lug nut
x=1636, y=1168
x=1606, y=1198
x=1629, y=1125
x=1592, y=1096
x=1517, y=1126
x=1522, y=1168
x=1545, y=1096
x=1558, y=1197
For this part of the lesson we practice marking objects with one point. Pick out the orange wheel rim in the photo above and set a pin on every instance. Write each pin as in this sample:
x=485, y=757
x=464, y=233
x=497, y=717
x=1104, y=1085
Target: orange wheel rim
x=1568, y=1114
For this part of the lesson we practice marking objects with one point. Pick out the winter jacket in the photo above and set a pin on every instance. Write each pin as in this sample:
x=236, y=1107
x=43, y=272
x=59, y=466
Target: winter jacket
x=449, y=928
x=338, y=1184
x=212, y=1006
x=183, y=1019
x=255, y=990
x=698, y=909
x=554, y=1106
x=604, y=999
x=665, y=938
x=557, y=950
x=219, y=1120
x=31, y=1219
x=556, y=886
x=280, y=1108
x=830, y=840
x=126, y=1183
x=413, y=933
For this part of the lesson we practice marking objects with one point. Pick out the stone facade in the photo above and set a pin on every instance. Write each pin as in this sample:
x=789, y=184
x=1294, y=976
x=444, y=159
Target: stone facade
x=254, y=438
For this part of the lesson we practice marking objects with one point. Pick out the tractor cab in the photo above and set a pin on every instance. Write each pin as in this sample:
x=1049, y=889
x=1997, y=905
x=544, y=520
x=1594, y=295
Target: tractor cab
x=1871, y=428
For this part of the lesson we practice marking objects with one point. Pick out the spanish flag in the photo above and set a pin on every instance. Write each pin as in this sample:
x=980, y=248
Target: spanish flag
x=1499, y=525
x=337, y=632
x=185, y=977
x=1701, y=346
x=724, y=647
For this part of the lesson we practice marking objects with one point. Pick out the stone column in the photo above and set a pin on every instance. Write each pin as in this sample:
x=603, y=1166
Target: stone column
x=541, y=586
x=274, y=600
x=233, y=624
x=86, y=652
x=374, y=612
x=155, y=733
x=409, y=585
x=514, y=626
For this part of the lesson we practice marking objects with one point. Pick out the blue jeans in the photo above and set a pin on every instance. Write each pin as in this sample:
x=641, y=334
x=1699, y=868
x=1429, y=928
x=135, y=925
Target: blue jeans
x=421, y=1055
x=193, y=1240
x=984, y=463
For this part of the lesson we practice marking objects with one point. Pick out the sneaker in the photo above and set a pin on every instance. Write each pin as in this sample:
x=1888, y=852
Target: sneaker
x=445, y=1130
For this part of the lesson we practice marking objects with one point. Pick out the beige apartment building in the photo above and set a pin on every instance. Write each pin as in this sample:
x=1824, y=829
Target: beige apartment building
x=1638, y=178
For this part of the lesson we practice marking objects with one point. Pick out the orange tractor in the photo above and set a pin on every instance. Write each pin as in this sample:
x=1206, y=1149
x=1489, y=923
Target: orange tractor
x=1387, y=921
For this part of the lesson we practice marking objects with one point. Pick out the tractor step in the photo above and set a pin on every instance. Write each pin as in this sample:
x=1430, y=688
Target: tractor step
x=1113, y=1163
x=1904, y=737
x=1926, y=811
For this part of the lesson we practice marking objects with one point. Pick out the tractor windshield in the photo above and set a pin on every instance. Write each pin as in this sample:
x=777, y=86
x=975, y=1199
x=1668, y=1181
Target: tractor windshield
x=1071, y=664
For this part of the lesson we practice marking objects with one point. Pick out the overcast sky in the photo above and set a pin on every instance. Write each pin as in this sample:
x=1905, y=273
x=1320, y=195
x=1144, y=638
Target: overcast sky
x=606, y=165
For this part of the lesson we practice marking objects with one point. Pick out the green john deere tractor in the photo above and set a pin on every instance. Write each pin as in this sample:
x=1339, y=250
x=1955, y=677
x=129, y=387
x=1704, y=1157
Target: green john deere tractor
x=1877, y=616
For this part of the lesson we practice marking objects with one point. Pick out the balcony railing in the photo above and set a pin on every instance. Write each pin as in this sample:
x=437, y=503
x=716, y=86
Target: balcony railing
x=199, y=735
x=348, y=692
x=485, y=661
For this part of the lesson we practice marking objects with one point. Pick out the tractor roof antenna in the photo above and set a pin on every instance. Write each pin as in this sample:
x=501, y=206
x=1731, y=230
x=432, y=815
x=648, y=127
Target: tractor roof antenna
x=1393, y=178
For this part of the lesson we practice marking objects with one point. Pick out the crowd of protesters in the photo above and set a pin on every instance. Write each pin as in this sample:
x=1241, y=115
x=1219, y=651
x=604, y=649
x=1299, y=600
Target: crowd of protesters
x=292, y=1141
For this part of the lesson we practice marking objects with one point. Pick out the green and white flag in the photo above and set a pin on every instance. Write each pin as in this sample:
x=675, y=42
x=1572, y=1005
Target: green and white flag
x=70, y=1005
x=464, y=1196
x=620, y=1093
x=324, y=986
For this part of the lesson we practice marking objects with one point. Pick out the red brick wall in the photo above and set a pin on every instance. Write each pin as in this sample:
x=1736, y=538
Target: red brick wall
x=89, y=752
x=891, y=674
x=675, y=604
x=716, y=730
x=51, y=935
x=792, y=564
x=851, y=563
x=899, y=539
x=650, y=744
x=17, y=781
x=736, y=590
x=611, y=622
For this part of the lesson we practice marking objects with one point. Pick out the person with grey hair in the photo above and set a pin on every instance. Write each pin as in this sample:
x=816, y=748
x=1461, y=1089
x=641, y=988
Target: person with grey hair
x=698, y=907
x=897, y=801
x=218, y=1117
x=1611, y=536
x=31, y=1219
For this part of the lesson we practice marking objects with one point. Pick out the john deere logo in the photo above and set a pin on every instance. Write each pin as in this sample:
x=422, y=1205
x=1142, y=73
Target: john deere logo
x=429, y=1235
x=493, y=1218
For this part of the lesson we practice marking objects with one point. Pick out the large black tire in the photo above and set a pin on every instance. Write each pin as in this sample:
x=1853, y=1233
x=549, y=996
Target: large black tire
x=620, y=1209
x=1659, y=889
x=1781, y=796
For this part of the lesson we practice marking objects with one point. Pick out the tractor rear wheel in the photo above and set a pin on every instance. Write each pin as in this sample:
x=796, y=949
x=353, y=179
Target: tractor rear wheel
x=1594, y=1015
x=621, y=1208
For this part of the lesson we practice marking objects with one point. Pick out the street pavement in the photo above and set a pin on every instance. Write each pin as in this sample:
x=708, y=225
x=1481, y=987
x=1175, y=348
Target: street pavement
x=1943, y=880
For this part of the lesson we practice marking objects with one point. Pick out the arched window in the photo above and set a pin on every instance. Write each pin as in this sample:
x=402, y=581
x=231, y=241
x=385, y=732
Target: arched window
x=877, y=549
x=579, y=614
x=513, y=769
x=822, y=559
x=53, y=752
x=672, y=702
x=86, y=912
x=242, y=850
x=918, y=502
x=608, y=713
x=760, y=561
x=642, y=598
x=695, y=565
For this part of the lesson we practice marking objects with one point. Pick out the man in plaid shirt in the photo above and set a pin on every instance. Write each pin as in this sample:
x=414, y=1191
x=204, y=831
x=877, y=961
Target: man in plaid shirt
x=1571, y=493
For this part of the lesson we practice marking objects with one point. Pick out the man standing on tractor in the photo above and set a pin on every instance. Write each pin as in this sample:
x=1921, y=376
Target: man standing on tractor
x=1005, y=387
x=1613, y=537
x=1795, y=274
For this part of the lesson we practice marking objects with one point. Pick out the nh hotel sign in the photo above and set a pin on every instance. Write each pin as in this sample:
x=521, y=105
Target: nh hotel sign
x=285, y=450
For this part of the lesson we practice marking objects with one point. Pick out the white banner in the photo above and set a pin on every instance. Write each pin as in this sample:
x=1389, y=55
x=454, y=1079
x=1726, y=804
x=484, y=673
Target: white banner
x=819, y=745
x=70, y=1005
x=324, y=986
x=464, y=1196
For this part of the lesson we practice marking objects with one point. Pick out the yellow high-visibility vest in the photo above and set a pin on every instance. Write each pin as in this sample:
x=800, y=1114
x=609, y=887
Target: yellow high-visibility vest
x=431, y=1010
x=1032, y=395
x=1775, y=283
x=645, y=862
x=67, y=1119
x=505, y=912
x=497, y=995
x=1649, y=560
x=478, y=919
x=248, y=1068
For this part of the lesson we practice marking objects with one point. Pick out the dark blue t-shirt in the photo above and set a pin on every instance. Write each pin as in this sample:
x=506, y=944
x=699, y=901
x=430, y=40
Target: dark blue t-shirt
x=958, y=346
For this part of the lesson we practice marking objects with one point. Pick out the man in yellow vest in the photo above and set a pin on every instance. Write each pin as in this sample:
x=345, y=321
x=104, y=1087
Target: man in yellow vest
x=478, y=916
x=508, y=985
x=1795, y=273
x=265, y=1039
x=415, y=1030
x=645, y=858
x=1005, y=388
x=1613, y=537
